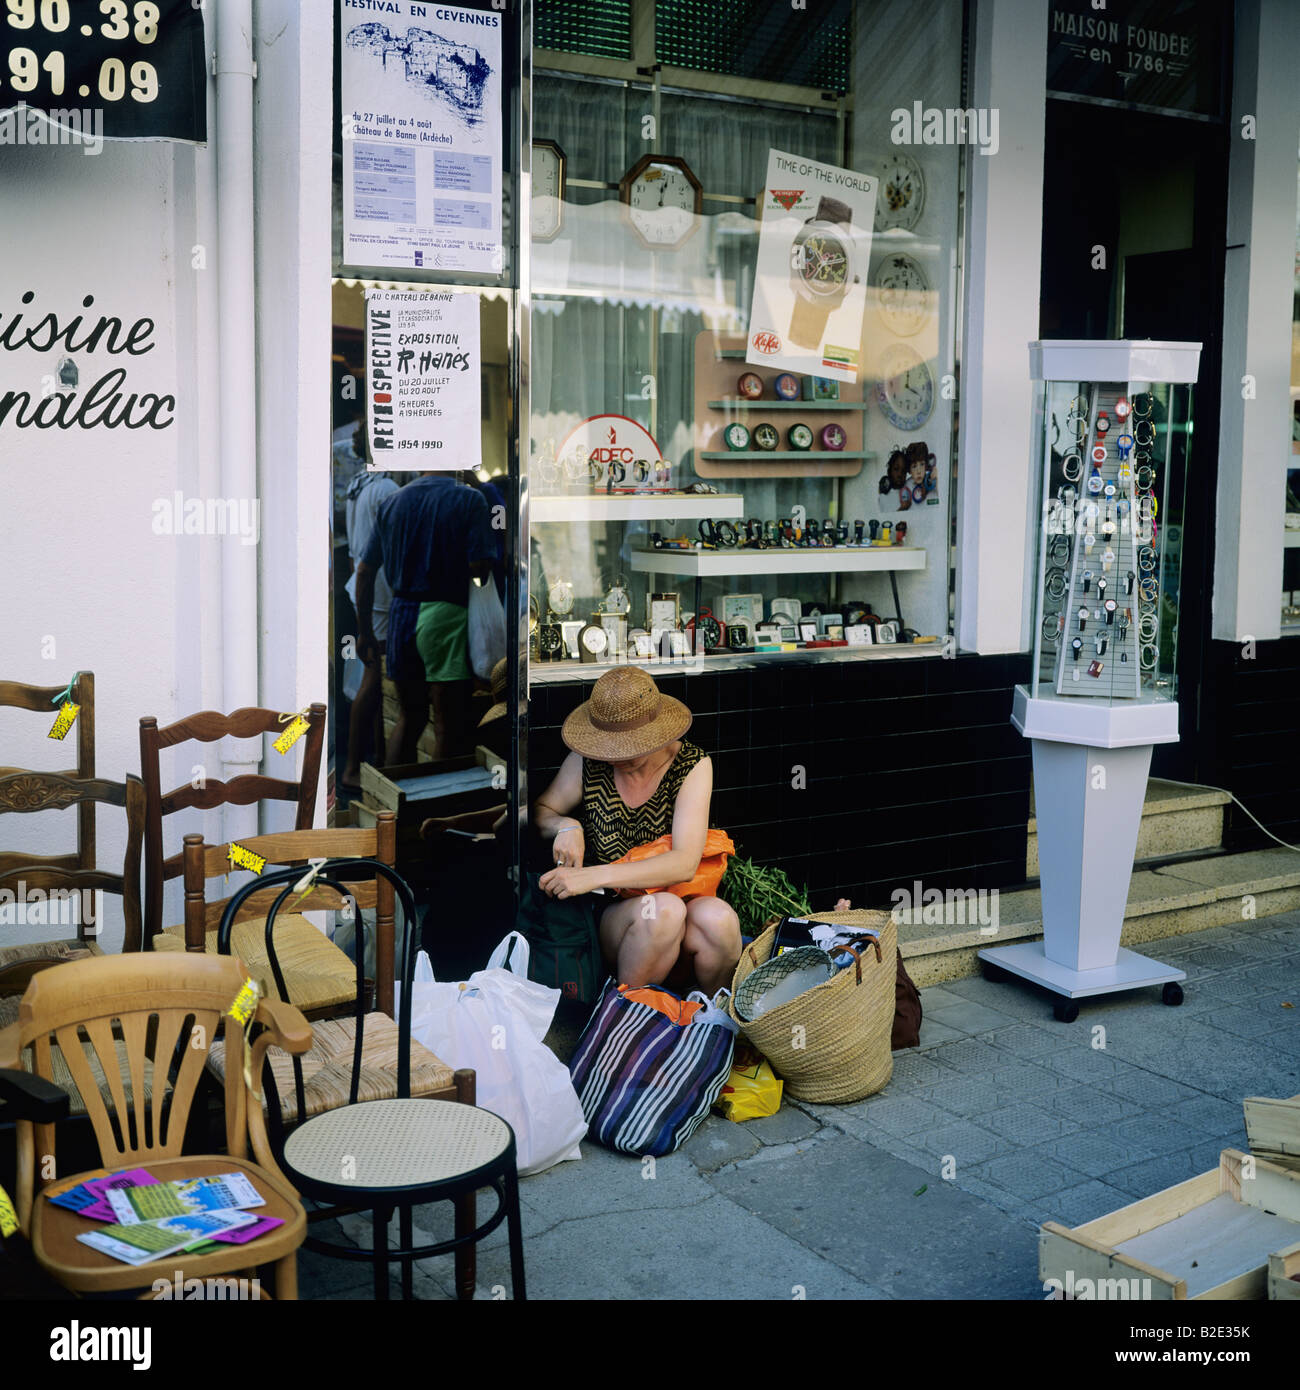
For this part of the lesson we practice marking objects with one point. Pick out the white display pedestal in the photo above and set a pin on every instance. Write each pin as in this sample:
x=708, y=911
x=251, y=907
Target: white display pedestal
x=1090, y=777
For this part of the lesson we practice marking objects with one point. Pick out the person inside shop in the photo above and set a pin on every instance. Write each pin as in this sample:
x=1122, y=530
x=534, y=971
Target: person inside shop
x=631, y=777
x=431, y=538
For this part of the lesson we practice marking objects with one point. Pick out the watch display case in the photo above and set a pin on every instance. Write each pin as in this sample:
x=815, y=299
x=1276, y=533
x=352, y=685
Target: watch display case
x=1112, y=436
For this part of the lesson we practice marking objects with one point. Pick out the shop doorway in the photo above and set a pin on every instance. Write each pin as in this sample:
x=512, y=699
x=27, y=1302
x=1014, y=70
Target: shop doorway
x=1133, y=247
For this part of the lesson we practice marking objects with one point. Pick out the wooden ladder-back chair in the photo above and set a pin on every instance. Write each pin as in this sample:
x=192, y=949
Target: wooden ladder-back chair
x=319, y=974
x=134, y=1015
x=381, y=1138
x=42, y=700
x=42, y=791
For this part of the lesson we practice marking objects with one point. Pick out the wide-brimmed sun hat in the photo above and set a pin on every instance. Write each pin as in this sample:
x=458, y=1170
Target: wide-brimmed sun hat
x=626, y=717
x=498, y=683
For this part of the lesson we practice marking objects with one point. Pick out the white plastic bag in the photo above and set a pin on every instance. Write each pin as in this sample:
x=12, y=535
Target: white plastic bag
x=495, y=1023
x=487, y=628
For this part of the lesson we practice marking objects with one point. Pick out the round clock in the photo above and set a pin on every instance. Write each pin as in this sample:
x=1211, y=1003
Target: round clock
x=664, y=200
x=706, y=630
x=900, y=198
x=801, y=437
x=550, y=642
x=905, y=391
x=548, y=179
x=901, y=294
x=787, y=387
x=560, y=597
x=593, y=642
x=833, y=437
x=766, y=437
x=750, y=386
x=617, y=600
x=736, y=436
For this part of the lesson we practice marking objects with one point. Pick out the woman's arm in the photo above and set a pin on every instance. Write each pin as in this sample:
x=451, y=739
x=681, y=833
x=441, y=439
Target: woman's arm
x=552, y=813
x=677, y=865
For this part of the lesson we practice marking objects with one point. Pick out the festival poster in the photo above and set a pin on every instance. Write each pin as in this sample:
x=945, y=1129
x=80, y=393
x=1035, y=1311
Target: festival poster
x=422, y=103
x=810, y=289
x=423, y=380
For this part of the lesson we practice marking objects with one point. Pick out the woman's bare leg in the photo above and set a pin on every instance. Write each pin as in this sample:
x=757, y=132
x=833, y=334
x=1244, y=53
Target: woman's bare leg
x=712, y=942
x=642, y=937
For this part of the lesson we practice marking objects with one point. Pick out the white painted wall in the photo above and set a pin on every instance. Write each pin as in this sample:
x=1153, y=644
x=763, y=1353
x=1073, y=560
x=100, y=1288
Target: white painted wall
x=1255, y=435
x=1004, y=209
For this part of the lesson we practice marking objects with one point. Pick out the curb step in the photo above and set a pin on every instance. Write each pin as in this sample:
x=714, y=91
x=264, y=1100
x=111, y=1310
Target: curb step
x=1190, y=895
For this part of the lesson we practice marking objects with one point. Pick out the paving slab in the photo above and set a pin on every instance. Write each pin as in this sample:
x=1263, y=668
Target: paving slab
x=718, y=1142
x=944, y=1243
x=967, y=1016
x=787, y=1126
x=1098, y=1152
x=1073, y=1206
x=1029, y=1173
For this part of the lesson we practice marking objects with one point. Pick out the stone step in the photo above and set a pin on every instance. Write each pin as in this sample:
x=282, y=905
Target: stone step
x=1189, y=896
x=1176, y=819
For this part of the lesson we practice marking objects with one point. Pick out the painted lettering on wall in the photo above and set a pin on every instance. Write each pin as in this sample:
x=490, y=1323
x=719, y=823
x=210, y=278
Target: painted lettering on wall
x=105, y=401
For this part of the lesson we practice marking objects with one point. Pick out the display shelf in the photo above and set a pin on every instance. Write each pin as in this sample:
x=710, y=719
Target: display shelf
x=830, y=560
x=553, y=672
x=597, y=506
x=741, y=403
x=1290, y=539
x=770, y=455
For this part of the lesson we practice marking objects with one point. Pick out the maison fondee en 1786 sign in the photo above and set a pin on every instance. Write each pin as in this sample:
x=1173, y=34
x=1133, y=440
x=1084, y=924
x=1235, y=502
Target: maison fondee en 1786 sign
x=104, y=69
x=1156, y=55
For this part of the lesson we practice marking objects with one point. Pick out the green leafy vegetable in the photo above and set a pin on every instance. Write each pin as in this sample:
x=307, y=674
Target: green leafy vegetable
x=758, y=893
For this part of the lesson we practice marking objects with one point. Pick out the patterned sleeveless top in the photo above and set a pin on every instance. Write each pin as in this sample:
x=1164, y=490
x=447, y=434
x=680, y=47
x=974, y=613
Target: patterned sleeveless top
x=611, y=827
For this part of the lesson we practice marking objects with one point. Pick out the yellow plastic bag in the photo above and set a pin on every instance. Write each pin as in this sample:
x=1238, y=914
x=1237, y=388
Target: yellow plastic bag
x=752, y=1090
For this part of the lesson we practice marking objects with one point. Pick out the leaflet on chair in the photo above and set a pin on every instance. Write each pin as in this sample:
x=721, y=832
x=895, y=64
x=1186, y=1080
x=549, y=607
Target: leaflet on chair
x=144, y=1241
x=223, y=1192
x=810, y=287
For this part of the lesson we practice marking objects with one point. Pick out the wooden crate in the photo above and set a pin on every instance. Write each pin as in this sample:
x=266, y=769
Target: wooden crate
x=1211, y=1237
x=1284, y=1274
x=1273, y=1130
x=416, y=791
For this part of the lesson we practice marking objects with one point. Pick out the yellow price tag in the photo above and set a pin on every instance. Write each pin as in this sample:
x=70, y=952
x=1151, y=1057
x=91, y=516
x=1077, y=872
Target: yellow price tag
x=8, y=1216
x=291, y=735
x=245, y=1005
x=241, y=858
x=67, y=717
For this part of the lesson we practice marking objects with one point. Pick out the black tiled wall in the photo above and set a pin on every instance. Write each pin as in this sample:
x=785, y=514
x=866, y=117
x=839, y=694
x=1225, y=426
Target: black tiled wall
x=912, y=769
x=1254, y=708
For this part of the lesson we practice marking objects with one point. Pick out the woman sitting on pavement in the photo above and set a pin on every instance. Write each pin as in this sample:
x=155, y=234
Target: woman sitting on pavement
x=630, y=778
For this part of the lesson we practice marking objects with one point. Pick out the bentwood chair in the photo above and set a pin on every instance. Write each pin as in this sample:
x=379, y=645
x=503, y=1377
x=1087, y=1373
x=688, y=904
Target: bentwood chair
x=43, y=700
x=62, y=886
x=161, y=1013
x=319, y=974
x=402, y=1150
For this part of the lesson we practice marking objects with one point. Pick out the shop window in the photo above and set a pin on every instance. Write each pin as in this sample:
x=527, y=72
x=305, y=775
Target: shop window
x=1291, y=538
x=743, y=340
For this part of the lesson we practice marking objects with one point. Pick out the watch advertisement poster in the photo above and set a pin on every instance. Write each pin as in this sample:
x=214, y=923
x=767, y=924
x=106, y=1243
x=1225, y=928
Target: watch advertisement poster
x=423, y=380
x=422, y=137
x=810, y=289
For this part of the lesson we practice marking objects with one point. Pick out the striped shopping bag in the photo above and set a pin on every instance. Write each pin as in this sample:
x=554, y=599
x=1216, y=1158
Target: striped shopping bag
x=650, y=1065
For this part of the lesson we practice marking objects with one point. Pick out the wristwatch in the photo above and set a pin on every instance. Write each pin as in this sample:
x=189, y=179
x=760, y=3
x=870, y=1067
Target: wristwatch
x=821, y=270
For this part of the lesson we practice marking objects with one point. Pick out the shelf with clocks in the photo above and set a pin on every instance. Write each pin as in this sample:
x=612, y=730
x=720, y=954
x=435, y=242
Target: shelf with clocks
x=599, y=506
x=817, y=560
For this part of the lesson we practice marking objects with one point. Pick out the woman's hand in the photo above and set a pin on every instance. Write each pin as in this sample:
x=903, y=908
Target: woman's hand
x=570, y=883
x=569, y=846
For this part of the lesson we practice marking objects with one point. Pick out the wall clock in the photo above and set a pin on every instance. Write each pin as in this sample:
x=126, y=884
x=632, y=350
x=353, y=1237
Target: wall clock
x=905, y=391
x=902, y=289
x=549, y=168
x=664, y=200
x=901, y=199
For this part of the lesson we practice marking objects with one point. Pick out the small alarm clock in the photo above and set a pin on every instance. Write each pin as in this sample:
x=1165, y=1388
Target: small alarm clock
x=833, y=437
x=766, y=437
x=750, y=386
x=787, y=387
x=736, y=436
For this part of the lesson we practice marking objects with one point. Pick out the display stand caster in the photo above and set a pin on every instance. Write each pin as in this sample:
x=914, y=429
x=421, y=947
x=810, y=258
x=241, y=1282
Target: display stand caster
x=1065, y=1011
x=994, y=974
x=1172, y=994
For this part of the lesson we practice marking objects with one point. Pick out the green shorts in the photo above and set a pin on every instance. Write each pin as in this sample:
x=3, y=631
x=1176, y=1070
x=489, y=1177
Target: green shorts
x=442, y=639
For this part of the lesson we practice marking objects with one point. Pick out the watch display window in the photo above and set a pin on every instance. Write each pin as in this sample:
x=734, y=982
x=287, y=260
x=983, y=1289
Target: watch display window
x=1107, y=577
x=679, y=442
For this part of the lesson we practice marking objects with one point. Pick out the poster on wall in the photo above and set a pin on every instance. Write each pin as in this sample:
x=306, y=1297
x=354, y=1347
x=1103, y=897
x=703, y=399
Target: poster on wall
x=83, y=74
x=422, y=137
x=810, y=288
x=423, y=380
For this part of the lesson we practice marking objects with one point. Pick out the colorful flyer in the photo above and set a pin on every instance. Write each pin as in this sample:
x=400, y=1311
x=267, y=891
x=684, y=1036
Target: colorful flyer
x=150, y=1240
x=424, y=380
x=148, y=1203
x=422, y=103
x=810, y=289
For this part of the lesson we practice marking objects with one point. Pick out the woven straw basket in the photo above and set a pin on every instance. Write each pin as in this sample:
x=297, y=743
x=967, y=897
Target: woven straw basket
x=831, y=1044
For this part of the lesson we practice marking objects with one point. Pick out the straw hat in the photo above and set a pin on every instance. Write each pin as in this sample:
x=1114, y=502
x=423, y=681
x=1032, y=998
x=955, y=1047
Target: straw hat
x=625, y=718
x=498, y=683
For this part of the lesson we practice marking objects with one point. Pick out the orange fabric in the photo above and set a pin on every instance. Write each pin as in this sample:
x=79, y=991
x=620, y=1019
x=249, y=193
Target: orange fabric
x=680, y=1011
x=718, y=847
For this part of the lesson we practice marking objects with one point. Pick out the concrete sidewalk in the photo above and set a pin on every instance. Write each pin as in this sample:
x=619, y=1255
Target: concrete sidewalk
x=1000, y=1120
